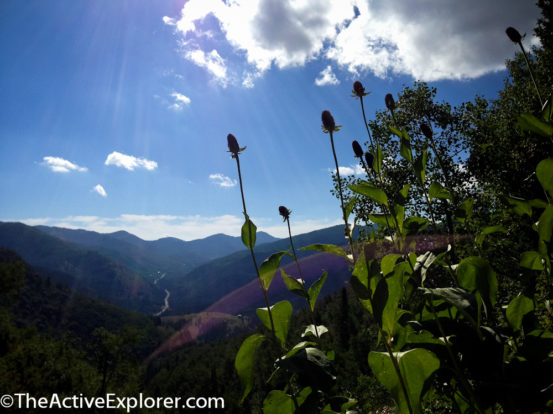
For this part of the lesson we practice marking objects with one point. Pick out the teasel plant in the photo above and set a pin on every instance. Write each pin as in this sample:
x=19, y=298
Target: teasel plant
x=295, y=285
x=359, y=92
x=515, y=37
x=329, y=127
x=379, y=196
x=248, y=229
x=367, y=159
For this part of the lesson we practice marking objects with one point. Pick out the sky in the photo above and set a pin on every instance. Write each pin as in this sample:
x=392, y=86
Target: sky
x=114, y=114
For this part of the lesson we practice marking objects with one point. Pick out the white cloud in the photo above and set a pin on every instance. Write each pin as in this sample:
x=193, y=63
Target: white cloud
x=60, y=165
x=100, y=190
x=179, y=101
x=169, y=21
x=327, y=77
x=211, y=61
x=222, y=180
x=249, y=77
x=129, y=162
x=352, y=170
x=153, y=227
x=428, y=40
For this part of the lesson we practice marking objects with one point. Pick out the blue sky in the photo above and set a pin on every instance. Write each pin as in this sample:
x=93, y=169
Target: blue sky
x=114, y=114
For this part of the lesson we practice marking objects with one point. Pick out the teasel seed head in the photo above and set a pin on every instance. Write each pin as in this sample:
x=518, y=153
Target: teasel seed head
x=369, y=159
x=390, y=103
x=358, y=89
x=513, y=34
x=284, y=212
x=233, y=146
x=357, y=150
x=426, y=130
x=328, y=121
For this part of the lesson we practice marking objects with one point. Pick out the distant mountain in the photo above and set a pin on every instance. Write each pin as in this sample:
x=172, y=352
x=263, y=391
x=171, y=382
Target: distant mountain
x=209, y=282
x=168, y=255
x=83, y=269
x=123, y=269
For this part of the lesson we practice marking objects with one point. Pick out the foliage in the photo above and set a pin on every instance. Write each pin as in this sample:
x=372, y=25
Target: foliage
x=441, y=333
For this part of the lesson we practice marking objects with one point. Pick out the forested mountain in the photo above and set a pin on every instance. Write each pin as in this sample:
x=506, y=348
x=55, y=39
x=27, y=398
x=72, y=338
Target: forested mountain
x=208, y=283
x=167, y=255
x=123, y=269
x=82, y=269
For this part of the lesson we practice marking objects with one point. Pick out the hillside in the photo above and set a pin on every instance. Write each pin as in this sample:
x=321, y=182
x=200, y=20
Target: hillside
x=84, y=270
x=38, y=301
x=210, y=282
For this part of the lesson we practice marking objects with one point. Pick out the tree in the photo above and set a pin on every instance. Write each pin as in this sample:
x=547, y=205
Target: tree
x=445, y=151
x=502, y=154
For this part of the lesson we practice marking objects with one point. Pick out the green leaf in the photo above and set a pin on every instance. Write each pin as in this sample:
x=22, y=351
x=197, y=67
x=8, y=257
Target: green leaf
x=404, y=144
x=423, y=263
x=420, y=166
x=518, y=307
x=315, y=289
x=489, y=230
x=269, y=267
x=293, y=285
x=302, y=396
x=520, y=207
x=396, y=132
x=328, y=248
x=545, y=224
x=386, y=299
x=424, y=337
x=464, y=211
x=414, y=224
x=370, y=191
x=381, y=220
x=405, y=150
x=537, y=203
x=531, y=260
x=544, y=172
x=328, y=410
x=388, y=262
x=529, y=122
x=378, y=158
x=460, y=298
x=310, y=330
x=476, y=274
x=399, y=212
x=278, y=402
x=360, y=279
x=437, y=190
x=248, y=233
x=415, y=366
x=299, y=346
x=350, y=205
x=244, y=362
x=403, y=193
x=281, y=312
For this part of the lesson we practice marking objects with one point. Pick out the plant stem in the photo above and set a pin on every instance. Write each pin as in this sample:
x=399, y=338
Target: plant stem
x=384, y=208
x=251, y=248
x=449, y=187
x=366, y=124
x=395, y=364
x=348, y=234
x=398, y=371
x=531, y=73
x=301, y=275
